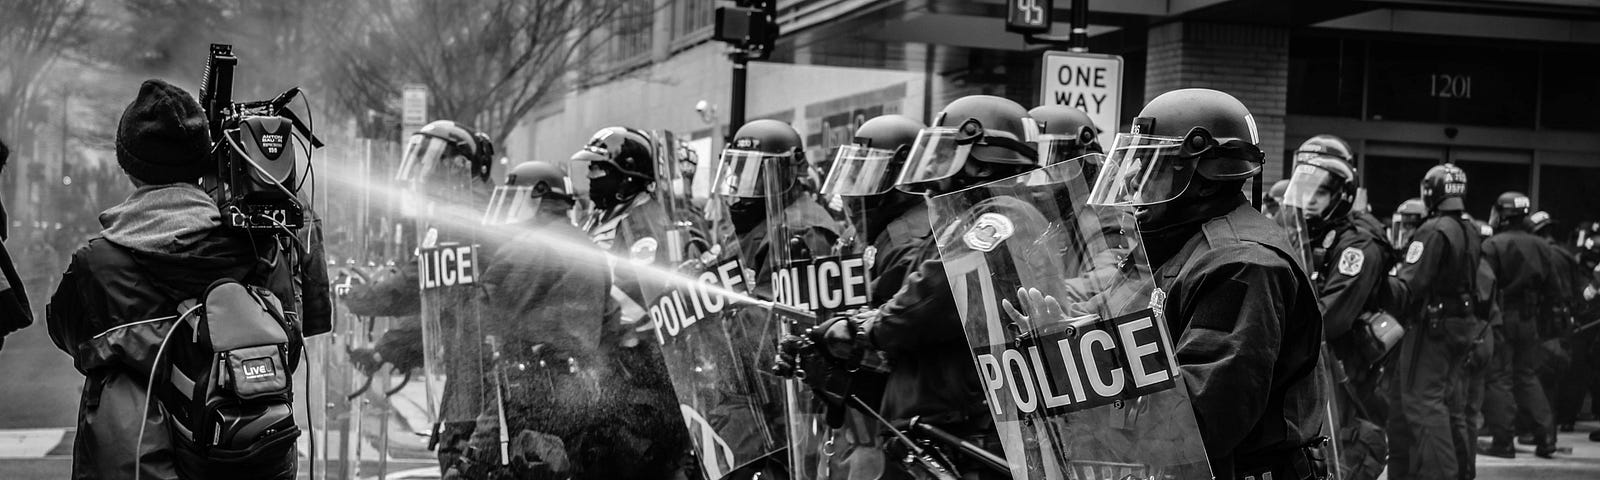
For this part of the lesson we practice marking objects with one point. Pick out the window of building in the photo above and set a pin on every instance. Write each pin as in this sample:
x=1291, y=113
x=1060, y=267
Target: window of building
x=1390, y=180
x=1466, y=84
x=691, y=20
x=1325, y=75
x=1486, y=180
x=633, y=31
x=1570, y=91
x=1567, y=192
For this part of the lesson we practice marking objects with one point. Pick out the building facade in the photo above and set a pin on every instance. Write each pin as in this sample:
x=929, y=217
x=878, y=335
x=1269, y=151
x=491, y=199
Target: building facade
x=1501, y=87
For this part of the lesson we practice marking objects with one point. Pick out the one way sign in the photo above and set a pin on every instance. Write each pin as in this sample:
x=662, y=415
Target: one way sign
x=1088, y=82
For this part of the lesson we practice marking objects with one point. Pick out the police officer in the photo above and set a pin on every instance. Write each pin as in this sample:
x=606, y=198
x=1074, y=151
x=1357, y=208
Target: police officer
x=1404, y=222
x=892, y=223
x=1434, y=295
x=1565, y=383
x=1525, y=284
x=919, y=329
x=446, y=164
x=1350, y=258
x=766, y=163
x=630, y=222
x=561, y=403
x=888, y=228
x=1065, y=133
x=1250, y=327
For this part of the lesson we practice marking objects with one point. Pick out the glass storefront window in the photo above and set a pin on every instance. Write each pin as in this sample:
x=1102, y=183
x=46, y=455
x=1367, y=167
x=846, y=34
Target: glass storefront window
x=1476, y=84
x=1570, y=91
x=1567, y=192
x=1391, y=180
x=1487, y=180
x=1325, y=75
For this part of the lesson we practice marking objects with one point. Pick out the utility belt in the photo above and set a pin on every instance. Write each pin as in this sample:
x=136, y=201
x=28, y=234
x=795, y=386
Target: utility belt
x=1456, y=321
x=1307, y=462
x=1459, y=305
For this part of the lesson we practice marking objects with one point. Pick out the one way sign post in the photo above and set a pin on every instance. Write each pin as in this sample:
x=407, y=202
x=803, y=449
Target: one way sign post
x=1088, y=82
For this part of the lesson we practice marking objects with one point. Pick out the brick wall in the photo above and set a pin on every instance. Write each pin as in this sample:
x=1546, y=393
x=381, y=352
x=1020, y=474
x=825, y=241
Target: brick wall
x=1247, y=61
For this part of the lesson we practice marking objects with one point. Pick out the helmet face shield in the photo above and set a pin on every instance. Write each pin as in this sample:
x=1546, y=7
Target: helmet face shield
x=1142, y=170
x=743, y=174
x=422, y=158
x=938, y=154
x=1055, y=149
x=511, y=204
x=1303, y=186
x=861, y=171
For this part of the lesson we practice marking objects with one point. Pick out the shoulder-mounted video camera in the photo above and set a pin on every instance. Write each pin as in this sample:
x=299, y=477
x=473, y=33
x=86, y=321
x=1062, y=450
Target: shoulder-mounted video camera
x=253, y=145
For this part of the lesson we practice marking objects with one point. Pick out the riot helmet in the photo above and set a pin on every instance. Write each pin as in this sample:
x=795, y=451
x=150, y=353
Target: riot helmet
x=1324, y=146
x=1065, y=133
x=1178, y=135
x=527, y=186
x=1443, y=188
x=1511, y=210
x=443, y=160
x=1323, y=187
x=1587, y=239
x=1407, y=217
x=992, y=132
x=1274, y=200
x=1539, y=223
x=621, y=165
x=766, y=160
x=871, y=162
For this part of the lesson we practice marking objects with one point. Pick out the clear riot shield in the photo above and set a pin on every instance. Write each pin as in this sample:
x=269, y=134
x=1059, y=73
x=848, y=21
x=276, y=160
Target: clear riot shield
x=804, y=272
x=1066, y=329
x=457, y=349
x=717, y=346
x=1297, y=200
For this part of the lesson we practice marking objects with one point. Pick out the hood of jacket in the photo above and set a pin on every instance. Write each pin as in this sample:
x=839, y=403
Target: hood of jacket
x=174, y=232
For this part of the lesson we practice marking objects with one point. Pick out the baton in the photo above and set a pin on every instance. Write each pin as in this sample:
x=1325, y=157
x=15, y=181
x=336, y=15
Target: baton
x=978, y=453
x=1586, y=326
x=917, y=453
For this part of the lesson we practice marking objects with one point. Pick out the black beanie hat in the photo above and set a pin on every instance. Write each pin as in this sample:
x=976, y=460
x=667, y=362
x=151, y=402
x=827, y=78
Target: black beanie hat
x=163, y=136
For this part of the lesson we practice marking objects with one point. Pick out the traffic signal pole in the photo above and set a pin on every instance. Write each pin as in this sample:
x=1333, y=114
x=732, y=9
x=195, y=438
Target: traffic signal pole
x=736, y=107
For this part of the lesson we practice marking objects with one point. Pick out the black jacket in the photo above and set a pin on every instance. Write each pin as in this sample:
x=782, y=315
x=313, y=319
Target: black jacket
x=107, y=314
x=15, y=314
x=1440, y=264
x=1250, y=337
x=1523, y=271
x=1351, y=262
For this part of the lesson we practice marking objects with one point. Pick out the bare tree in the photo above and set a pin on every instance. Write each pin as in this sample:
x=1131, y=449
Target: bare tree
x=486, y=62
x=33, y=35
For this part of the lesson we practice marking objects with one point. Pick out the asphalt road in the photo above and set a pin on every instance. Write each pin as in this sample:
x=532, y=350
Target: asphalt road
x=39, y=398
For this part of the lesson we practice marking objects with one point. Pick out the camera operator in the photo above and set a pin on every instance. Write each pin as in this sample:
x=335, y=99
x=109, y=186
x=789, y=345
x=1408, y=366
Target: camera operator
x=162, y=245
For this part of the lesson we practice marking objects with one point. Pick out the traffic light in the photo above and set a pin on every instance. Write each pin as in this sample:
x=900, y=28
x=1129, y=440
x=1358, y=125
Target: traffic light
x=750, y=25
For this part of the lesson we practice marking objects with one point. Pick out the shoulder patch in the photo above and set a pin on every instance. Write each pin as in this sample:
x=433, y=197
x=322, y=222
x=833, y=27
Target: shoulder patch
x=1414, y=252
x=1351, y=260
x=988, y=231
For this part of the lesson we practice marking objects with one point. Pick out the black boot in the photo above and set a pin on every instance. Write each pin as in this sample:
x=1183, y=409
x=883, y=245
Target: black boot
x=1500, y=448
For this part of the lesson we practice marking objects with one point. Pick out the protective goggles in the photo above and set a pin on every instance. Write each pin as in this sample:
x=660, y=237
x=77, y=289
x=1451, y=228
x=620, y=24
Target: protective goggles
x=1143, y=170
x=861, y=171
x=752, y=174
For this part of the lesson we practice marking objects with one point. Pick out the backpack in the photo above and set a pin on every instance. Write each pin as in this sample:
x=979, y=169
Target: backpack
x=225, y=384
